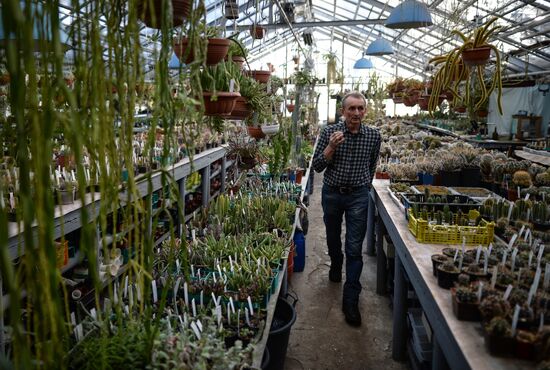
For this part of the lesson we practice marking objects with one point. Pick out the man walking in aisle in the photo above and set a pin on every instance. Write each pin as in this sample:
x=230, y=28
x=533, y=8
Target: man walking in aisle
x=348, y=152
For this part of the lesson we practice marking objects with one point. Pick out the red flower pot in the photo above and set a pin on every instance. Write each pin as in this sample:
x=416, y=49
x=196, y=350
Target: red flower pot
x=255, y=132
x=216, y=50
x=239, y=61
x=290, y=107
x=242, y=109
x=476, y=56
x=260, y=76
x=222, y=106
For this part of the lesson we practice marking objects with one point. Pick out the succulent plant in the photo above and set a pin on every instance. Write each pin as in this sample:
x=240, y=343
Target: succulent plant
x=494, y=306
x=466, y=294
x=522, y=178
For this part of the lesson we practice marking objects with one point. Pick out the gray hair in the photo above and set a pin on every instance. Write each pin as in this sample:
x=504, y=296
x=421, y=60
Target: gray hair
x=356, y=95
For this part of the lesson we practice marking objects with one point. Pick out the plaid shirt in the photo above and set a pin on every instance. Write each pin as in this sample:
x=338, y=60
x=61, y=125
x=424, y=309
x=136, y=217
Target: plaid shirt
x=354, y=161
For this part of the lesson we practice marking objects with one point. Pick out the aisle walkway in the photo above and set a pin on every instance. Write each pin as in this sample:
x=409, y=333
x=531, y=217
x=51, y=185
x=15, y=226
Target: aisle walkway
x=320, y=339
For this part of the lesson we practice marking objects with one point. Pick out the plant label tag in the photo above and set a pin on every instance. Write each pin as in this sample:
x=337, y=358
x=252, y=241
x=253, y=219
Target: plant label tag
x=131, y=296
x=463, y=245
x=176, y=288
x=460, y=261
x=456, y=255
x=478, y=254
x=521, y=231
x=519, y=192
x=541, y=252
x=199, y=325
x=530, y=297
x=504, y=257
x=219, y=314
x=177, y=266
x=530, y=259
x=246, y=316
x=527, y=235
x=512, y=241
x=196, y=330
x=193, y=235
x=138, y=291
x=527, y=196
x=479, y=291
x=201, y=298
x=126, y=310
x=507, y=292
x=494, y=277
x=73, y=319
x=546, y=280
x=194, y=307
x=515, y=319
x=514, y=254
x=250, y=305
x=490, y=249
x=486, y=262
x=185, y=294
x=155, y=293
x=125, y=286
x=528, y=213
x=541, y=321
x=232, y=87
x=231, y=304
x=510, y=208
x=79, y=332
x=536, y=280
x=93, y=313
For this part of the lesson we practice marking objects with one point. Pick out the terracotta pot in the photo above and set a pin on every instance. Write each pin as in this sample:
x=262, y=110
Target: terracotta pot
x=410, y=98
x=423, y=102
x=242, y=109
x=382, y=175
x=255, y=132
x=238, y=61
x=181, y=10
x=260, y=76
x=257, y=32
x=222, y=106
x=482, y=113
x=216, y=51
x=290, y=107
x=476, y=56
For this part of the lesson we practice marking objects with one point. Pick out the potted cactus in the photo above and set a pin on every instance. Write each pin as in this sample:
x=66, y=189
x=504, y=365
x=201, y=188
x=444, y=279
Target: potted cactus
x=447, y=274
x=465, y=303
x=498, y=337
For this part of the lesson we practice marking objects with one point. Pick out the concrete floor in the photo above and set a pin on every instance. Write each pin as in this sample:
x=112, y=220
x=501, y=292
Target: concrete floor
x=320, y=338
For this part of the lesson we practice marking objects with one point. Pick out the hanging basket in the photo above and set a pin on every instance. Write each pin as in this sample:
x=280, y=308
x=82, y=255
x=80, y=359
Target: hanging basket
x=222, y=106
x=180, y=11
x=410, y=98
x=231, y=9
x=242, y=109
x=260, y=76
x=270, y=129
x=216, y=50
x=476, y=56
x=255, y=132
x=257, y=32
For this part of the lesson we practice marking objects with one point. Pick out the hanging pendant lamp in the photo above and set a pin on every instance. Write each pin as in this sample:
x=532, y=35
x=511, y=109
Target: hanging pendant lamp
x=379, y=47
x=363, y=63
x=409, y=14
x=41, y=29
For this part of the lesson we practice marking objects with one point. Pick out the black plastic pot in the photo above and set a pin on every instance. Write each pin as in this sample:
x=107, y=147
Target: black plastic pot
x=450, y=178
x=277, y=342
x=470, y=177
x=265, y=359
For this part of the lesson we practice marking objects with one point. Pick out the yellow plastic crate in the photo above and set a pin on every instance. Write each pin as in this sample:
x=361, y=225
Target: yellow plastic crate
x=442, y=234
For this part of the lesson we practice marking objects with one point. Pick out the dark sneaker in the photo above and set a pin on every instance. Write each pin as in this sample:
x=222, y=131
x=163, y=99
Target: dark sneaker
x=335, y=274
x=352, y=314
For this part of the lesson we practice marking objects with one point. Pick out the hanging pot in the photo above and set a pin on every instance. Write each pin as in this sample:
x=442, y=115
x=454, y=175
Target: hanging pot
x=255, y=132
x=242, y=109
x=222, y=106
x=180, y=12
x=260, y=76
x=257, y=32
x=239, y=61
x=216, y=50
x=411, y=98
x=397, y=98
x=231, y=9
x=476, y=56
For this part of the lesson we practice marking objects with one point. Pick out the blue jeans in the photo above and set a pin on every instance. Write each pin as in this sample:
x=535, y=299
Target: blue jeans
x=354, y=206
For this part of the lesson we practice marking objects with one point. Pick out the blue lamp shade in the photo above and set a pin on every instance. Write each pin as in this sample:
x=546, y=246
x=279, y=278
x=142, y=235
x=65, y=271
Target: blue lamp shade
x=379, y=46
x=363, y=63
x=174, y=62
x=41, y=28
x=409, y=14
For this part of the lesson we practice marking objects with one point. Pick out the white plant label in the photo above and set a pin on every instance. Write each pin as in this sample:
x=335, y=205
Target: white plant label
x=486, y=262
x=490, y=248
x=185, y=294
x=79, y=333
x=201, y=301
x=494, y=277
x=126, y=286
x=199, y=325
x=478, y=254
x=460, y=261
x=527, y=196
x=126, y=310
x=250, y=305
x=196, y=330
x=246, y=316
x=479, y=291
x=546, y=281
x=504, y=257
x=456, y=255
x=176, y=288
x=541, y=321
x=512, y=241
x=194, y=307
x=510, y=211
x=463, y=245
x=138, y=291
x=514, y=254
x=93, y=313
x=73, y=319
x=155, y=293
x=231, y=304
x=177, y=266
x=521, y=231
x=232, y=88
x=530, y=258
x=508, y=291
x=541, y=252
x=519, y=192
x=527, y=235
x=515, y=320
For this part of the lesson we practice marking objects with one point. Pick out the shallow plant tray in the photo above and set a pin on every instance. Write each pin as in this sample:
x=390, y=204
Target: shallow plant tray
x=434, y=190
x=455, y=203
x=474, y=193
